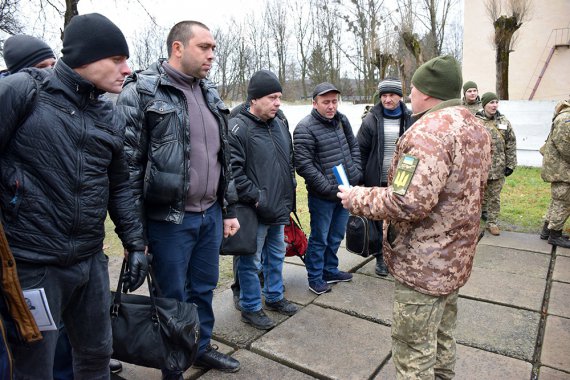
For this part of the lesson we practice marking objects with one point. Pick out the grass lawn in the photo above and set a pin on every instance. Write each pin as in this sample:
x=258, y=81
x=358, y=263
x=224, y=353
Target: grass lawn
x=524, y=201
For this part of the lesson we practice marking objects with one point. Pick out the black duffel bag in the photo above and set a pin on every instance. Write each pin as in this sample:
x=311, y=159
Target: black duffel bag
x=362, y=236
x=153, y=331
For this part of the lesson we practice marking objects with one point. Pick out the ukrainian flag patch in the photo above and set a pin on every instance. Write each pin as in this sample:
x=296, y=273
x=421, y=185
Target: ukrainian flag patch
x=404, y=174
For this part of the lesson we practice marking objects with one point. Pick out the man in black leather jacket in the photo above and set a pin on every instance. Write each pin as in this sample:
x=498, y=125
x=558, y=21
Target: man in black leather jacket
x=62, y=168
x=179, y=161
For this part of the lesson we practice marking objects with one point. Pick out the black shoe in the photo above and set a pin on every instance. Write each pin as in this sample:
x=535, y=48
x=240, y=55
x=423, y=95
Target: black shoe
x=115, y=366
x=213, y=359
x=340, y=276
x=484, y=215
x=257, y=319
x=558, y=240
x=283, y=306
x=236, y=302
x=545, y=233
x=381, y=268
x=173, y=376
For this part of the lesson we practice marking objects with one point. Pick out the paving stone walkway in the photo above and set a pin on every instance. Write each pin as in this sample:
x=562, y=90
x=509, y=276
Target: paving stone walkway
x=513, y=321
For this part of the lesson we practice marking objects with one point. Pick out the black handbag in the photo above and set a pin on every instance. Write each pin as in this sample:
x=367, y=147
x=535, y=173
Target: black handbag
x=362, y=236
x=153, y=331
x=244, y=242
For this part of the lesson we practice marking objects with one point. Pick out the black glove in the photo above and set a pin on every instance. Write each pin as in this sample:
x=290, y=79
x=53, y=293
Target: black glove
x=137, y=270
x=508, y=172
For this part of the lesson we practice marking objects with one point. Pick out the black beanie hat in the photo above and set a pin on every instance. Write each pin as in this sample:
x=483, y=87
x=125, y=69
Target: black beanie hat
x=390, y=86
x=91, y=37
x=440, y=78
x=469, y=84
x=21, y=51
x=487, y=97
x=263, y=83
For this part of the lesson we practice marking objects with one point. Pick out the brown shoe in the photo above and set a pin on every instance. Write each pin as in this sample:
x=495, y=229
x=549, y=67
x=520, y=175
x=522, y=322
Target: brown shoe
x=494, y=230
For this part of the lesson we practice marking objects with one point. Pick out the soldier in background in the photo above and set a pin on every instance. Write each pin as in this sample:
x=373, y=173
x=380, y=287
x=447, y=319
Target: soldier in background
x=471, y=97
x=504, y=145
x=556, y=170
x=431, y=212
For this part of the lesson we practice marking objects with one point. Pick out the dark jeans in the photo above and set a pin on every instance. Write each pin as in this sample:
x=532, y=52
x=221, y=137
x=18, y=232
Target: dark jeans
x=328, y=225
x=78, y=296
x=63, y=360
x=186, y=262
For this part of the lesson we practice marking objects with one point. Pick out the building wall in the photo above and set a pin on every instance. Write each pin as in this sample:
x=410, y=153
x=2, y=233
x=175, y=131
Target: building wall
x=534, y=40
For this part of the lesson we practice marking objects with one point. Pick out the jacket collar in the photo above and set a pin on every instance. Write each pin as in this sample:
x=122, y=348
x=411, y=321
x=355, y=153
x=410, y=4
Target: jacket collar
x=334, y=122
x=77, y=88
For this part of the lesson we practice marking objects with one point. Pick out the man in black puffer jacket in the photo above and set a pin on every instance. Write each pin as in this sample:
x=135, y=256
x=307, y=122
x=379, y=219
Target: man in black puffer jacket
x=179, y=159
x=322, y=140
x=262, y=163
x=62, y=167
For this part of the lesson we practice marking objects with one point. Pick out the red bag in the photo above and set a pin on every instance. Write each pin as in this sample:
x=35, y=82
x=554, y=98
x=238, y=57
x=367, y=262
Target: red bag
x=295, y=238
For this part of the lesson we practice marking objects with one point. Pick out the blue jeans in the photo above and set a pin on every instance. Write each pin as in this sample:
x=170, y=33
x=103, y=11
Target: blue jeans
x=186, y=262
x=328, y=225
x=270, y=246
x=80, y=296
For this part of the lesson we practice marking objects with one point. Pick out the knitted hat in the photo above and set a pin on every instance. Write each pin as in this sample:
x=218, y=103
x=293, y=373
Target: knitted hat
x=439, y=78
x=91, y=37
x=390, y=86
x=323, y=88
x=469, y=84
x=263, y=83
x=23, y=51
x=487, y=97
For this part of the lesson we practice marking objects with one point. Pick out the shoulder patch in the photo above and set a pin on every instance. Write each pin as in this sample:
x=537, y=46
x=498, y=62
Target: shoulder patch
x=404, y=174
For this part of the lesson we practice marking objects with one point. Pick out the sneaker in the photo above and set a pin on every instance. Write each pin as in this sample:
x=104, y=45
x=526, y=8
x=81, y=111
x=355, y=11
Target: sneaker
x=283, y=306
x=338, y=277
x=319, y=287
x=494, y=229
x=257, y=319
x=213, y=359
x=115, y=366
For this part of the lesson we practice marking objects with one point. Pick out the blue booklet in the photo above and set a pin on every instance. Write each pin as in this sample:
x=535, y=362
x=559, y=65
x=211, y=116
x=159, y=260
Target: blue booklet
x=340, y=175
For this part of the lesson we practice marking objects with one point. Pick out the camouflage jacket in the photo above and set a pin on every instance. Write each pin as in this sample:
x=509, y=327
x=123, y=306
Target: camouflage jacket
x=504, y=143
x=473, y=107
x=433, y=202
x=556, y=151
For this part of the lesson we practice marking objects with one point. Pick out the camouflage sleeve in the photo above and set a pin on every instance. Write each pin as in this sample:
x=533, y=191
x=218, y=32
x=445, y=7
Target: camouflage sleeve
x=510, y=147
x=422, y=192
x=561, y=135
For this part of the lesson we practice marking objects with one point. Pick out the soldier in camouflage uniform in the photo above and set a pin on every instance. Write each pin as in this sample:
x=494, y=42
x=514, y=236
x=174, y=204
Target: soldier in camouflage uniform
x=431, y=210
x=471, y=97
x=556, y=170
x=504, y=145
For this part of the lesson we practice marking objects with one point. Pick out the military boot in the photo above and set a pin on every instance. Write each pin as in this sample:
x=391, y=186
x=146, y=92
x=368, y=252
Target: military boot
x=558, y=240
x=381, y=269
x=545, y=233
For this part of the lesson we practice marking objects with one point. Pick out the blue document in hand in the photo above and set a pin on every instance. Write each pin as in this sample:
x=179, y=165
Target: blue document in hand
x=340, y=175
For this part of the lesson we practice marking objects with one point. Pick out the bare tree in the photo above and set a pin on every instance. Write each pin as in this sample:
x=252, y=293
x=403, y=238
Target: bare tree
x=149, y=45
x=304, y=37
x=507, y=17
x=276, y=17
x=8, y=21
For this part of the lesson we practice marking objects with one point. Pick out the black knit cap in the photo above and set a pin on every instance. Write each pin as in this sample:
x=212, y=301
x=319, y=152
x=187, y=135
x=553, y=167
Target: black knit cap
x=263, y=83
x=21, y=51
x=91, y=37
x=390, y=86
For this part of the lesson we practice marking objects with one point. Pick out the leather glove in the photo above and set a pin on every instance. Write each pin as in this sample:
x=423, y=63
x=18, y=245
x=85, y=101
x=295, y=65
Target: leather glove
x=137, y=270
x=508, y=172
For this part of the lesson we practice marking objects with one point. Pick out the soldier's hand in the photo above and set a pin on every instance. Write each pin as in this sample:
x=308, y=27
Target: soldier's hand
x=344, y=195
x=508, y=172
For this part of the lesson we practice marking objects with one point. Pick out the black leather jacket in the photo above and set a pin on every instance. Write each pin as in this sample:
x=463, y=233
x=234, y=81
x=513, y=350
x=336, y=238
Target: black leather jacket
x=62, y=167
x=262, y=162
x=157, y=144
x=320, y=144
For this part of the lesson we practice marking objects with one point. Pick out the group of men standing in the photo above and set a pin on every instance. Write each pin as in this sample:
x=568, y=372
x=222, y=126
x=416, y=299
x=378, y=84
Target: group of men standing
x=168, y=166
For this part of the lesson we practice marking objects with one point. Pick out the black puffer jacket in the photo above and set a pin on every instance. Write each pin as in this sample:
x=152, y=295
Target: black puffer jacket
x=262, y=162
x=61, y=168
x=157, y=144
x=320, y=144
x=371, y=141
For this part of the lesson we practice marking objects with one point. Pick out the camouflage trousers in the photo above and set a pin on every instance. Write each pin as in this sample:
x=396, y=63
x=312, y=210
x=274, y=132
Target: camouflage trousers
x=492, y=199
x=423, y=345
x=559, y=209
